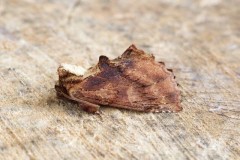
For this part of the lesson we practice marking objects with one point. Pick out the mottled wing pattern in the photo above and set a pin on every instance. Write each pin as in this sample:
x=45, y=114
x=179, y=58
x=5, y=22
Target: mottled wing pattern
x=133, y=81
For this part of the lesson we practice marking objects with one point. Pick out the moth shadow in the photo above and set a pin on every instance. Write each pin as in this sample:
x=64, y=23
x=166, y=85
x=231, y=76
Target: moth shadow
x=63, y=104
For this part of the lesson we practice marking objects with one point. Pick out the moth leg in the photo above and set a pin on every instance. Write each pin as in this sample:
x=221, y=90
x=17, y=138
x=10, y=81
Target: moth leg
x=85, y=105
x=89, y=107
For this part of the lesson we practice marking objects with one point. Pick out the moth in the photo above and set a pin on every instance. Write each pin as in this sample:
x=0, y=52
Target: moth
x=133, y=81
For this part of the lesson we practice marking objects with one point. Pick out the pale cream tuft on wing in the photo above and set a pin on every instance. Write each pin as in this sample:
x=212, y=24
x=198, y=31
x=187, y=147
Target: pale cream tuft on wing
x=77, y=70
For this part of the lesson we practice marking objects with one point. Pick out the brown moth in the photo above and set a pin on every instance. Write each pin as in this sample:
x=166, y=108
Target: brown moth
x=133, y=81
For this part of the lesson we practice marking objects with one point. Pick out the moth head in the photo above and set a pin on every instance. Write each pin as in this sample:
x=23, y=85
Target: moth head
x=68, y=75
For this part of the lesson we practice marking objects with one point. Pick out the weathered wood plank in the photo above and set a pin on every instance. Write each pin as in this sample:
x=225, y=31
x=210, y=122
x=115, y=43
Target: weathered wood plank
x=200, y=40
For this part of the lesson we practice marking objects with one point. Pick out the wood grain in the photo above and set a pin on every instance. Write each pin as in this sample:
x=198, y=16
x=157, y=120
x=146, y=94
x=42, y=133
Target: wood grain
x=200, y=40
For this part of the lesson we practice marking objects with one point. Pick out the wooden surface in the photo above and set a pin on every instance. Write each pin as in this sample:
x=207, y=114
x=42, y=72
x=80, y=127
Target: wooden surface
x=200, y=40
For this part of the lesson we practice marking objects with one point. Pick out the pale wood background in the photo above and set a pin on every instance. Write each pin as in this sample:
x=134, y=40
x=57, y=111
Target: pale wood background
x=200, y=40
